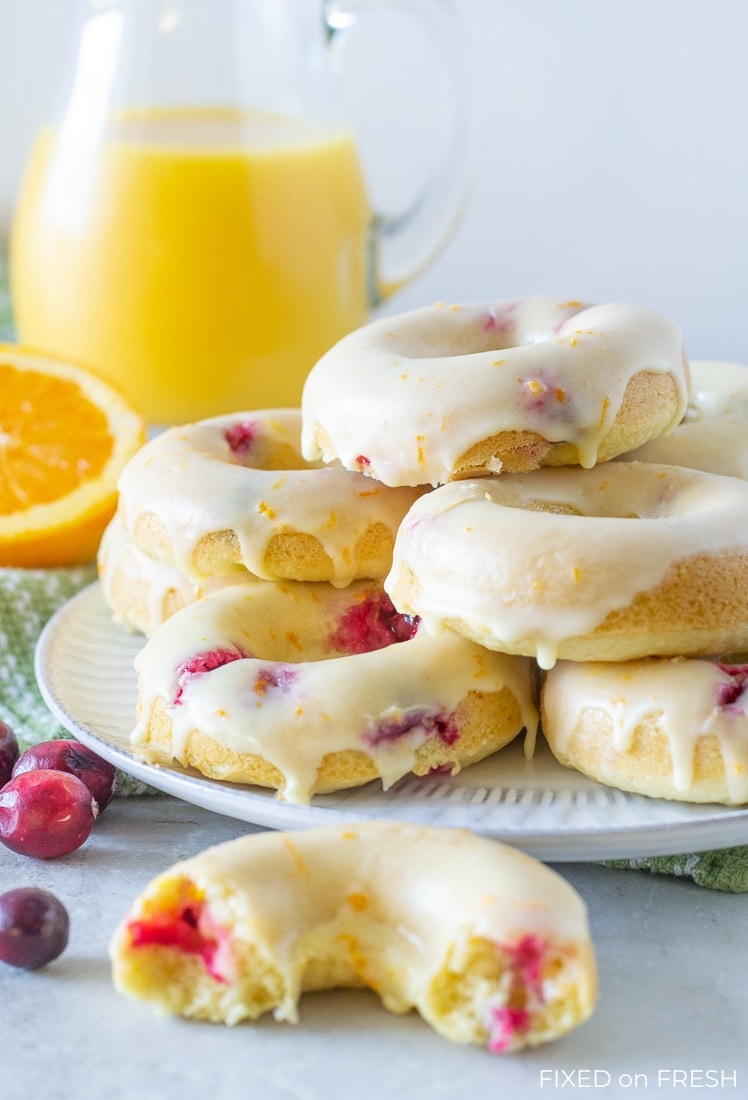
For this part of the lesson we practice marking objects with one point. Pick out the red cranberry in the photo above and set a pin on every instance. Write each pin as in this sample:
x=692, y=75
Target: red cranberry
x=45, y=813
x=73, y=757
x=8, y=752
x=34, y=927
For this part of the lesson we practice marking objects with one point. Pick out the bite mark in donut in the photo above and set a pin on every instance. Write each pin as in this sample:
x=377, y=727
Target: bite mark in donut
x=487, y=944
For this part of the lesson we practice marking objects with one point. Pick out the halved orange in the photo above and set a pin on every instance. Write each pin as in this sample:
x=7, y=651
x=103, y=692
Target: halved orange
x=65, y=434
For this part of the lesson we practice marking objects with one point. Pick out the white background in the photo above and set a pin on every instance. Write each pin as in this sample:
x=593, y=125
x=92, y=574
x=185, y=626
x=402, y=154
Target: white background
x=613, y=160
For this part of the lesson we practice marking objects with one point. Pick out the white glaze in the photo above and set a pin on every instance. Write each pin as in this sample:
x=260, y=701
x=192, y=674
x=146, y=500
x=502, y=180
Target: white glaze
x=190, y=478
x=713, y=436
x=682, y=695
x=413, y=393
x=485, y=553
x=330, y=703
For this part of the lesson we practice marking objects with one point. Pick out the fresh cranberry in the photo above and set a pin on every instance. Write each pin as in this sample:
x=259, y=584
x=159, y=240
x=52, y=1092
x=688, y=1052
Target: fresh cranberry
x=9, y=751
x=45, y=813
x=34, y=927
x=76, y=759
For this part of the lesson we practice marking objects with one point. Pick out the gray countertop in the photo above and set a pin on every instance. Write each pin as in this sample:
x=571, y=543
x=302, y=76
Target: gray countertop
x=672, y=1013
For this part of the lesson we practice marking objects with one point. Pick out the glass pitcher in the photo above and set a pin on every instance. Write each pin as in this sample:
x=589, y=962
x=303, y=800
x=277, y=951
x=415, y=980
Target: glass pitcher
x=196, y=222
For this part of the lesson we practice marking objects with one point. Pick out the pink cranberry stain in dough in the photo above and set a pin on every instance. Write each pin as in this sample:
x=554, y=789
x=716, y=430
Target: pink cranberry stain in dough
x=542, y=393
x=730, y=695
x=371, y=624
x=274, y=677
x=204, y=662
x=240, y=437
x=433, y=725
x=525, y=960
x=188, y=930
x=502, y=322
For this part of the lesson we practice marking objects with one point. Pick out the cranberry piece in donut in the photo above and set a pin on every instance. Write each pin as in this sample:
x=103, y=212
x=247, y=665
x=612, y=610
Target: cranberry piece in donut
x=371, y=624
x=281, y=677
x=433, y=725
x=204, y=662
x=731, y=694
x=188, y=929
x=510, y=1021
x=543, y=392
x=240, y=437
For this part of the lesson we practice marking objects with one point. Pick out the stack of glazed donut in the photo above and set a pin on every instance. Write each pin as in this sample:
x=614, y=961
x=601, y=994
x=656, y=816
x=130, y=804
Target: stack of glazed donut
x=367, y=586
x=275, y=656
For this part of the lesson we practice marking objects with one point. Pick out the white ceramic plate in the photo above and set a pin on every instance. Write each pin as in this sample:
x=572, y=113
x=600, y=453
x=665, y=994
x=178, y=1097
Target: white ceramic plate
x=84, y=667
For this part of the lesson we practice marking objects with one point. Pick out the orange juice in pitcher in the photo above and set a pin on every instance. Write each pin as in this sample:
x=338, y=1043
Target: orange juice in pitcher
x=195, y=224
x=218, y=255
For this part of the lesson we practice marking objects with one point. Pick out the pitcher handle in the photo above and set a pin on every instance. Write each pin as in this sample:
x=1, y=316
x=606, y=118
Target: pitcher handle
x=403, y=244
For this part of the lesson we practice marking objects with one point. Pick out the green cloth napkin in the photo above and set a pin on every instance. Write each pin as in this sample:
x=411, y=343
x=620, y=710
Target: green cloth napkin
x=29, y=597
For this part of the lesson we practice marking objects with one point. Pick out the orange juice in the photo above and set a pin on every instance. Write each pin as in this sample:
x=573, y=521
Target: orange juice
x=202, y=259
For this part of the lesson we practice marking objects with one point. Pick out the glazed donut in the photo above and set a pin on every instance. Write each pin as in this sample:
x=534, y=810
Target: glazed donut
x=489, y=945
x=624, y=561
x=713, y=436
x=462, y=391
x=299, y=687
x=233, y=493
x=666, y=727
x=143, y=592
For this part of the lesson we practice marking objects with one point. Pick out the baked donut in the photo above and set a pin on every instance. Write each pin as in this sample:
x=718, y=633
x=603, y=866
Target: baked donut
x=672, y=728
x=627, y=560
x=142, y=591
x=489, y=945
x=713, y=435
x=450, y=392
x=300, y=687
x=234, y=494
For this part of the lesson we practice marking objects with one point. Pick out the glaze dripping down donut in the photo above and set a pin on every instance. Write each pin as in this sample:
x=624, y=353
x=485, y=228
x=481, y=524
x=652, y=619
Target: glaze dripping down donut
x=666, y=727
